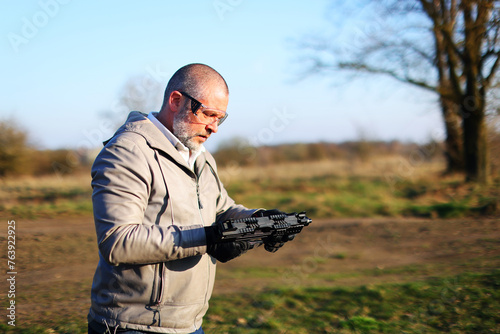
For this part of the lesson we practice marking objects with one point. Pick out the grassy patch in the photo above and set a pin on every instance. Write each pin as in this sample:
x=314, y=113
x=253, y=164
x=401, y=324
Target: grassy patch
x=48, y=196
x=462, y=304
x=323, y=189
x=466, y=303
x=52, y=309
x=367, y=196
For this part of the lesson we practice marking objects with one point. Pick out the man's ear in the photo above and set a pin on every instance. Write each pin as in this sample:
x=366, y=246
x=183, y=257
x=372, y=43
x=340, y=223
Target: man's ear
x=174, y=101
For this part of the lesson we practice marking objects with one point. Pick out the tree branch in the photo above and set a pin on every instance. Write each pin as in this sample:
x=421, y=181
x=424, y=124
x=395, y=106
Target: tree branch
x=493, y=70
x=368, y=69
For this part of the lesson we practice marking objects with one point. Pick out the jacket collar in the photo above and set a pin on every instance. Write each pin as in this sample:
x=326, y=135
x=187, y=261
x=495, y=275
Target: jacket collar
x=180, y=147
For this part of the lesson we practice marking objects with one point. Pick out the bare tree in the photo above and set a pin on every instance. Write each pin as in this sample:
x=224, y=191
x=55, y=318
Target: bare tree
x=448, y=47
x=142, y=93
x=446, y=18
x=480, y=56
x=139, y=93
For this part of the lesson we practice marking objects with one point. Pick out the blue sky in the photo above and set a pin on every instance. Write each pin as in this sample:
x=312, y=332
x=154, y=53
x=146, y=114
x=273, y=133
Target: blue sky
x=64, y=64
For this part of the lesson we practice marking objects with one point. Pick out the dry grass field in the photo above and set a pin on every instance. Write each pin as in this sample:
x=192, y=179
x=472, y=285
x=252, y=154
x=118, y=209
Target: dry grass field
x=56, y=249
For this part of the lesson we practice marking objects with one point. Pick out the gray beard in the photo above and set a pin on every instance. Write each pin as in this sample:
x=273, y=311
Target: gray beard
x=184, y=133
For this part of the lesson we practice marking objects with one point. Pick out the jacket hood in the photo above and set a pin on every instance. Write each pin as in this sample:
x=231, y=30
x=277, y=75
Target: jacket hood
x=139, y=123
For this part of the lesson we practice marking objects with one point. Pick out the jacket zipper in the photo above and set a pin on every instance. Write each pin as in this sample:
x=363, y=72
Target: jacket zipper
x=198, y=195
x=201, y=207
x=161, y=282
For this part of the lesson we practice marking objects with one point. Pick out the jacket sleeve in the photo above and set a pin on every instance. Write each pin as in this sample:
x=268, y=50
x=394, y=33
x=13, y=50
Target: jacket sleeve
x=121, y=182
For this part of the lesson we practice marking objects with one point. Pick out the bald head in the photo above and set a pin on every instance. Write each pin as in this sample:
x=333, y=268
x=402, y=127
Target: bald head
x=193, y=81
x=197, y=80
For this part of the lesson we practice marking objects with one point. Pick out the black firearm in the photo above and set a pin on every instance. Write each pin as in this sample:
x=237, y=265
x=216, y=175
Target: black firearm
x=272, y=231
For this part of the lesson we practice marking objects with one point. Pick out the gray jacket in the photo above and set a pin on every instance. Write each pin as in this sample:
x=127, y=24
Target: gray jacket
x=149, y=210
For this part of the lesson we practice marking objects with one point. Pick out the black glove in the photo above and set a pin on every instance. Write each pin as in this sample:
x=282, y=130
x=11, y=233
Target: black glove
x=224, y=251
x=272, y=245
x=267, y=213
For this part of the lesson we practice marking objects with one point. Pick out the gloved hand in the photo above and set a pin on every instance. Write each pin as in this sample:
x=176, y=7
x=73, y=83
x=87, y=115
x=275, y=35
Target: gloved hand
x=267, y=213
x=272, y=245
x=224, y=251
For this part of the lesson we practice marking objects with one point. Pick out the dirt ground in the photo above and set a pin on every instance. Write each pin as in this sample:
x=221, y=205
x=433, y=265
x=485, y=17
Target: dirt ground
x=56, y=258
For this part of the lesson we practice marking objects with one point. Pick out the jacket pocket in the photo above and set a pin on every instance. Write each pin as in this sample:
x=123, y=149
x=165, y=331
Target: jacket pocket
x=158, y=284
x=186, y=281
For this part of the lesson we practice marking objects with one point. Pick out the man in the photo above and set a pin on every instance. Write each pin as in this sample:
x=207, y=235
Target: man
x=156, y=194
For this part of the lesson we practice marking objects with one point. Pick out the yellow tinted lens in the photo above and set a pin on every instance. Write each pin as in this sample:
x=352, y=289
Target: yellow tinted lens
x=212, y=116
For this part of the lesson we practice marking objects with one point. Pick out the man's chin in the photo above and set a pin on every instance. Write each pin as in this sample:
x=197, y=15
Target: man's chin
x=193, y=144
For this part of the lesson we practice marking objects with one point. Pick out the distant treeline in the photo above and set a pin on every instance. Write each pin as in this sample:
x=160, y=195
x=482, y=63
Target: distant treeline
x=240, y=152
x=18, y=157
x=29, y=161
x=44, y=162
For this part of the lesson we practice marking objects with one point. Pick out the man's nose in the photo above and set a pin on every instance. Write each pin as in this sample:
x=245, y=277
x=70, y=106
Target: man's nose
x=213, y=127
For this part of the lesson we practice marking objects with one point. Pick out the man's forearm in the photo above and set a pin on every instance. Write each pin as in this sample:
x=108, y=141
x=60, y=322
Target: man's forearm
x=141, y=244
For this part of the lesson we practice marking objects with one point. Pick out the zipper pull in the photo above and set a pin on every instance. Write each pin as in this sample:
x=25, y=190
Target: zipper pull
x=198, y=195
